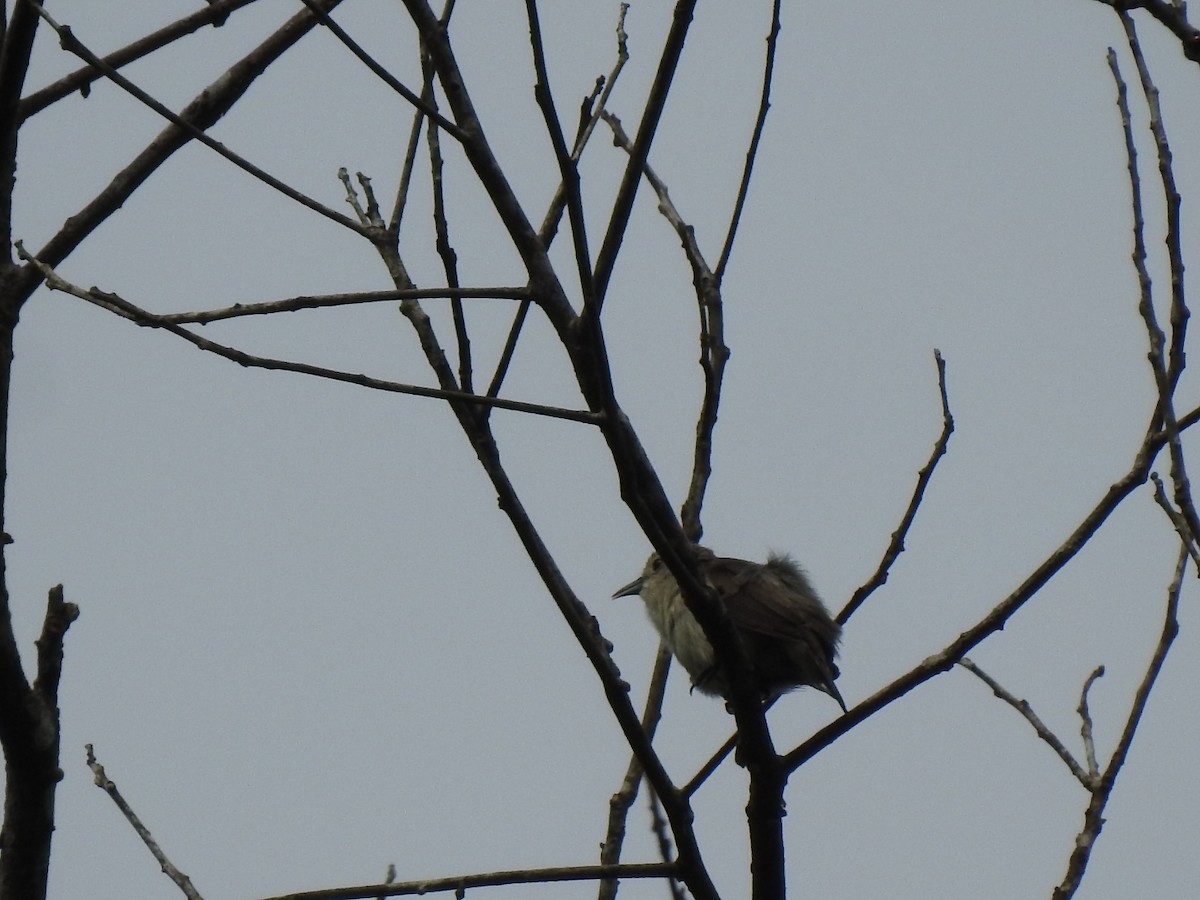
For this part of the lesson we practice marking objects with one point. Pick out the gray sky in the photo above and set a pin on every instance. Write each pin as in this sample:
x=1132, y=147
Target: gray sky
x=310, y=643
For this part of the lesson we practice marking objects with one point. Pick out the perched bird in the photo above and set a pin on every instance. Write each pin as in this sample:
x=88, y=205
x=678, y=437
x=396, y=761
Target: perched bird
x=786, y=634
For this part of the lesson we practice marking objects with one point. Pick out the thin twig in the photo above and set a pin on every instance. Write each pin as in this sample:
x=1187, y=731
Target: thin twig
x=1023, y=707
x=384, y=75
x=1177, y=519
x=714, y=353
x=117, y=304
x=651, y=116
x=81, y=79
x=109, y=787
x=327, y=301
x=485, y=879
x=622, y=801
x=567, y=167
x=1173, y=15
x=924, y=476
x=764, y=105
x=186, y=121
x=447, y=253
x=1093, y=818
x=1086, y=724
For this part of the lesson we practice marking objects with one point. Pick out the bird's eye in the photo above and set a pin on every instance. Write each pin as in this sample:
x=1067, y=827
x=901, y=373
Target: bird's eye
x=656, y=564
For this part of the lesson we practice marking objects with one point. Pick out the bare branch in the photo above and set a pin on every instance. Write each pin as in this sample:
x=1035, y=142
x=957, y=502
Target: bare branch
x=567, y=167
x=116, y=304
x=460, y=883
x=1093, y=819
x=651, y=116
x=1023, y=707
x=109, y=787
x=760, y=122
x=30, y=734
x=714, y=353
x=206, y=109
x=622, y=801
x=1085, y=724
x=81, y=79
x=327, y=301
x=1171, y=14
x=448, y=255
x=378, y=68
x=1177, y=519
x=924, y=476
x=945, y=659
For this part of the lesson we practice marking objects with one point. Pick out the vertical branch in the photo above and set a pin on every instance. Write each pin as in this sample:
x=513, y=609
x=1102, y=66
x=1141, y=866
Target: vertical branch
x=567, y=166
x=760, y=122
x=29, y=734
x=446, y=250
x=1093, y=817
x=1167, y=365
x=651, y=116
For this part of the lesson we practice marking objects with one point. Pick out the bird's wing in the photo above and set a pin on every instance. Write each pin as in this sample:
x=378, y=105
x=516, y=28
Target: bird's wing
x=759, y=598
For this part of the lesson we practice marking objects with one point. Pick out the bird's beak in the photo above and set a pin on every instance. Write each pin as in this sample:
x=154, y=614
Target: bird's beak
x=634, y=587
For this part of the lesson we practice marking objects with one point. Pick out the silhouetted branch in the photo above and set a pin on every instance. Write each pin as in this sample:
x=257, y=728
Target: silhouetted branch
x=207, y=108
x=81, y=79
x=924, y=476
x=764, y=105
x=460, y=883
x=1093, y=818
x=1023, y=707
x=1173, y=15
x=419, y=103
x=109, y=787
x=651, y=116
x=29, y=734
x=117, y=304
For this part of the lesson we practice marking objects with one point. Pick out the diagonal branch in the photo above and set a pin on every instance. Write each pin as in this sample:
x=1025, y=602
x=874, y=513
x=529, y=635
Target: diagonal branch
x=651, y=116
x=1043, y=731
x=81, y=79
x=752, y=151
x=924, y=476
x=202, y=113
x=125, y=309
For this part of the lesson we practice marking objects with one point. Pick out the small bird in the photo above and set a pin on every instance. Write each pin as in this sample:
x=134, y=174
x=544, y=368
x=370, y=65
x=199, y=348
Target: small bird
x=786, y=633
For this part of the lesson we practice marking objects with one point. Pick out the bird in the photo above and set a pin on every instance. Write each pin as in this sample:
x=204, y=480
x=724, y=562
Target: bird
x=786, y=633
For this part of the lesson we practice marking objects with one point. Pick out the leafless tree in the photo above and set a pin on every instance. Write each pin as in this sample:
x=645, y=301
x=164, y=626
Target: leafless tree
x=568, y=291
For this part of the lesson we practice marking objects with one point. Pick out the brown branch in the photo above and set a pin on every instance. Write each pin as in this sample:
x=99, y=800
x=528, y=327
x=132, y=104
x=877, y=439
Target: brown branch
x=460, y=883
x=622, y=801
x=1086, y=733
x=202, y=113
x=946, y=658
x=447, y=254
x=16, y=45
x=418, y=102
x=714, y=353
x=30, y=735
x=326, y=301
x=651, y=116
x=125, y=309
x=924, y=476
x=1026, y=711
x=567, y=167
x=1177, y=519
x=1172, y=15
x=109, y=787
x=593, y=109
x=1167, y=365
x=764, y=105
x=81, y=79
x=1093, y=818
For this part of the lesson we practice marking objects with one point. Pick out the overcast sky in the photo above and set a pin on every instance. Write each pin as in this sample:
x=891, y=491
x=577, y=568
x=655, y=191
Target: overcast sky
x=310, y=643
